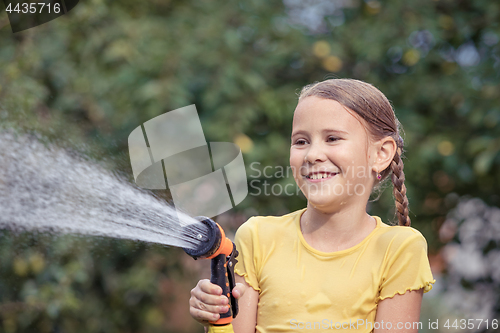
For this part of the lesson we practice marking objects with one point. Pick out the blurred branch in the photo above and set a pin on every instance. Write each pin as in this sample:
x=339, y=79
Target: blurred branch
x=4, y=22
x=19, y=306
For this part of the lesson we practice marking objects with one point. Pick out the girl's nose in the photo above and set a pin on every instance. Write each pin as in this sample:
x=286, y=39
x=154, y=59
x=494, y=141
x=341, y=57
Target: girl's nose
x=314, y=154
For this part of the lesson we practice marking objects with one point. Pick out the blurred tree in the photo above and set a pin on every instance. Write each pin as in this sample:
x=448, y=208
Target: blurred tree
x=472, y=256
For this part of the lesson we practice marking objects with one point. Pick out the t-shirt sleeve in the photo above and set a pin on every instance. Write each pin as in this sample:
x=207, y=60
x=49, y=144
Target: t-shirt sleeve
x=247, y=246
x=407, y=267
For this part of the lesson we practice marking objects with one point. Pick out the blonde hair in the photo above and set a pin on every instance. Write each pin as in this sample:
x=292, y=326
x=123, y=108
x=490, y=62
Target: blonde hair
x=375, y=109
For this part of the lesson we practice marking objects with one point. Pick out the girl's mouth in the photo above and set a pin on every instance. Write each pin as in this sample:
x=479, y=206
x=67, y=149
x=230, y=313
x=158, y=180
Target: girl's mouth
x=318, y=176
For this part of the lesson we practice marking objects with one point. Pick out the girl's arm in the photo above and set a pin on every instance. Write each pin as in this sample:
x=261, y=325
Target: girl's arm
x=246, y=320
x=400, y=310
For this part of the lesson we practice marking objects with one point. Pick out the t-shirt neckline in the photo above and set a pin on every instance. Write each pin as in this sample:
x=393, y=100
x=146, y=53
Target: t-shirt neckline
x=335, y=253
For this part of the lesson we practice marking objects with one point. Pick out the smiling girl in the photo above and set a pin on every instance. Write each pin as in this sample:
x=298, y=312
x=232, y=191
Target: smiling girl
x=331, y=265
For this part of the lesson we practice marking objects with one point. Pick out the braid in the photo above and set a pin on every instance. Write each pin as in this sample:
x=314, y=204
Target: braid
x=398, y=179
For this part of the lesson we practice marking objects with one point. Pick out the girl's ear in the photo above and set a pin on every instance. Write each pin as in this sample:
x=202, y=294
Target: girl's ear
x=384, y=153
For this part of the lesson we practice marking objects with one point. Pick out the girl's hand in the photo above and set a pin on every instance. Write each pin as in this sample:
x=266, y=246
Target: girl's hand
x=207, y=302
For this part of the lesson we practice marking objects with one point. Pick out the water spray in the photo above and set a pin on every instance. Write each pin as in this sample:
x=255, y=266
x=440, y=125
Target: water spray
x=222, y=251
x=47, y=189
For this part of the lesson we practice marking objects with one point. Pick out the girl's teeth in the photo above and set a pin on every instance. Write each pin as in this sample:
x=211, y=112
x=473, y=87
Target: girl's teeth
x=318, y=176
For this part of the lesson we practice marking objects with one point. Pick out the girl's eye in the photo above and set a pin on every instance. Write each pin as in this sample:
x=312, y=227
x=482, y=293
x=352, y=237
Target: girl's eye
x=300, y=142
x=332, y=139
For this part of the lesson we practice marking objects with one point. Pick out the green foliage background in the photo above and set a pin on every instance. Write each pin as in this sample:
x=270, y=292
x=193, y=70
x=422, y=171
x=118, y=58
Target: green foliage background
x=87, y=79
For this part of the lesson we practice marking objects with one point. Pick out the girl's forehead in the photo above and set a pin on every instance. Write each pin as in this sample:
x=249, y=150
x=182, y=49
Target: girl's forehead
x=320, y=112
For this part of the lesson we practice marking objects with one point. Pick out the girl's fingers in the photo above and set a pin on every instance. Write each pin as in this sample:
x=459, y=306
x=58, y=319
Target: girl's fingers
x=197, y=304
x=239, y=290
x=208, y=299
x=206, y=302
x=206, y=286
x=203, y=316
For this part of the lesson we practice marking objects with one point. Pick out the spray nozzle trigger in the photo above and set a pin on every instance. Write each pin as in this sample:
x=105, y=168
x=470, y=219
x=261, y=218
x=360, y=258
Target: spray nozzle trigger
x=231, y=262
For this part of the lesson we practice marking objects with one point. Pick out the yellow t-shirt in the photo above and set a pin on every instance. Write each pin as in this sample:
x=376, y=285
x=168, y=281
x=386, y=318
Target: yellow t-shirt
x=301, y=288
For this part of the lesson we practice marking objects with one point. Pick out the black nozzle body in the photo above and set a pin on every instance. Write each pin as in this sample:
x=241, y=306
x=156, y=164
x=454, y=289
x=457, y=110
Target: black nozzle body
x=222, y=253
x=209, y=243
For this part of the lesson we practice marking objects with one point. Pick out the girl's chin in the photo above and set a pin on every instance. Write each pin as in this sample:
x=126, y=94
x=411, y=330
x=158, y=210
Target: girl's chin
x=324, y=193
x=325, y=203
x=325, y=208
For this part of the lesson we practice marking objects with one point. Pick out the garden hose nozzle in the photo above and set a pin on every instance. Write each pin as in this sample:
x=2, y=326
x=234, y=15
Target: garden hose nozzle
x=222, y=251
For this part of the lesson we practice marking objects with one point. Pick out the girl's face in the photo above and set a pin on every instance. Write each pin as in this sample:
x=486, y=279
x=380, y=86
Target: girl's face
x=331, y=155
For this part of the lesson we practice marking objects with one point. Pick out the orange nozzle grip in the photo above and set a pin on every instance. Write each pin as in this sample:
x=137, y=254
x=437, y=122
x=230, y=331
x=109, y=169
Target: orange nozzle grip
x=222, y=321
x=226, y=246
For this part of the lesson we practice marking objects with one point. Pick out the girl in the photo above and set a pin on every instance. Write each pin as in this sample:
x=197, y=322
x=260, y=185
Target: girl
x=331, y=265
